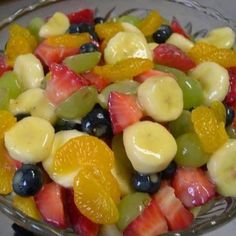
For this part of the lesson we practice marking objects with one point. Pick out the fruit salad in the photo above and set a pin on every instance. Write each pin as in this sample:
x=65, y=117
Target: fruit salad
x=120, y=126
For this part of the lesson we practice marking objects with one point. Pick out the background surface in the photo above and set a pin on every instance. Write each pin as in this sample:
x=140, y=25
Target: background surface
x=227, y=7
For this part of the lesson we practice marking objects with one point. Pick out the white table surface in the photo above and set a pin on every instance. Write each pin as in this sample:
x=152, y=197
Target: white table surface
x=227, y=7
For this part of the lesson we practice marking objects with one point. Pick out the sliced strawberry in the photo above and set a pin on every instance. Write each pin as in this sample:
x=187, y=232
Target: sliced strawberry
x=192, y=186
x=124, y=111
x=177, y=216
x=231, y=96
x=81, y=224
x=169, y=55
x=83, y=16
x=150, y=73
x=97, y=80
x=50, y=54
x=49, y=201
x=3, y=65
x=150, y=223
x=177, y=28
x=63, y=83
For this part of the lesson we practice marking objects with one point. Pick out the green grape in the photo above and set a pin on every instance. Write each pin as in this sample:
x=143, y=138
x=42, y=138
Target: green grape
x=181, y=125
x=78, y=104
x=35, y=25
x=4, y=99
x=134, y=20
x=83, y=62
x=130, y=207
x=126, y=87
x=190, y=151
x=167, y=69
x=231, y=131
x=9, y=81
x=123, y=169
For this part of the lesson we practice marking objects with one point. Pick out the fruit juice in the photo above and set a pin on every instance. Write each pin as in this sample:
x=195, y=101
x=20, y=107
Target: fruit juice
x=123, y=126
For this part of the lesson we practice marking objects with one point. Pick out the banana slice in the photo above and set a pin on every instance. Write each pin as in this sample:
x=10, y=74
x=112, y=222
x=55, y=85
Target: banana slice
x=214, y=80
x=180, y=41
x=149, y=146
x=58, y=24
x=60, y=138
x=29, y=70
x=221, y=37
x=30, y=140
x=161, y=98
x=131, y=28
x=126, y=45
x=222, y=168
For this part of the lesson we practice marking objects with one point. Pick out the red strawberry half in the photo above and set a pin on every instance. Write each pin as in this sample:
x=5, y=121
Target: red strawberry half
x=192, y=186
x=177, y=216
x=177, y=28
x=231, y=96
x=50, y=204
x=83, y=16
x=170, y=55
x=3, y=65
x=124, y=110
x=150, y=223
x=63, y=83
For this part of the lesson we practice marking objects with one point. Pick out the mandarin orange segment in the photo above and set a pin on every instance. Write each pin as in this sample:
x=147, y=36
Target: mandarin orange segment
x=108, y=30
x=27, y=205
x=92, y=199
x=69, y=40
x=7, y=120
x=81, y=151
x=151, y=23
x=219, y=110
x=125, y=69
x=210, y=131
x=202, y=52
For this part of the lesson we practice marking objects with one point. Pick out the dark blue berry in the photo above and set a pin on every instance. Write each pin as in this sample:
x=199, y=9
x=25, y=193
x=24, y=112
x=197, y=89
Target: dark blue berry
x=66, y=125
x=162, y=34
x=99, y=20
x=146, y=183
x=169, y=172
x=81, y=28
x=74, y=29
x=230, y=114
x=97, y=122
x=21, y=116
x=28, y=180
x=19, y=231
x=88, y=47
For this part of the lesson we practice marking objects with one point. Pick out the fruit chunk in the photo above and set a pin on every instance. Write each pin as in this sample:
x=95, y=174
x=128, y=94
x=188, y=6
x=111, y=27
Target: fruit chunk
x=202, y=52
x=151, y=222
x=124, y=111
x=176, y=215
x=177, y=28
x=82, y=16
x=27, y=206
x=50, y=203
x=107, y=230
x=34, y=26
x=192, y=186
x=231, y=95
x=3, y=65
x=7, y=121
x=161, y=98
x=30, y=140
x=214, y=80
x=221, y=168
x=169, y=55
x=149, y=146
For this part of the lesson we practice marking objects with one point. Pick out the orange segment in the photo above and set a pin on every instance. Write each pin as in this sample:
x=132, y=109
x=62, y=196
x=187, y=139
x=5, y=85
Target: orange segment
x=27, y=205
x=81, y=151
x=7, y=120
x=108, y=30
x=219, y=109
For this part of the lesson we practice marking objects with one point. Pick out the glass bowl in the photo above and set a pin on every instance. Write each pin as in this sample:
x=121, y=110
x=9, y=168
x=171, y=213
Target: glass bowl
x=197, y=19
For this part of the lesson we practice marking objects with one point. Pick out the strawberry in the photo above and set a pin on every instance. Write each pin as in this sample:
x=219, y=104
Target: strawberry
x=83, y=16
x=151, y=222
x=192, y=186
x=53, y=54
x=124, y=111
x=231, y=96
x=169, y=55
x=3, y=65
x=97, y=80
x=80, y=223
x=176, y=215
x=177, y=28
x=49, y=201
x=63, y=83
x=150, y=73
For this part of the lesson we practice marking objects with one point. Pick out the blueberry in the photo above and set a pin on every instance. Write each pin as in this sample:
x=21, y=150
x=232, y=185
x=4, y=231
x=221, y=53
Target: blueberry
x=230, y=114
x=66, y=125
x=74, y=29
x=28, y=180
x=146, y=183
x=162, y=34
x=19, y=231
x=99, y=20
x=21, y=116
x=97, y=122
x=169, y=171
x=81, y=28
x=88, y=47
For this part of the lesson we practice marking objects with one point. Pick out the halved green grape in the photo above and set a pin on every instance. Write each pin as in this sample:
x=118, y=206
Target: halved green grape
x=167, y=69
x=181, y=125
x=134, y=20
x=4, y=99
x=9, y=81
x=125, y=86
x=83, y=62
x=190, y=151
x=78, y=104
x=130, y=207
x=231, y=131
x=35, y=25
